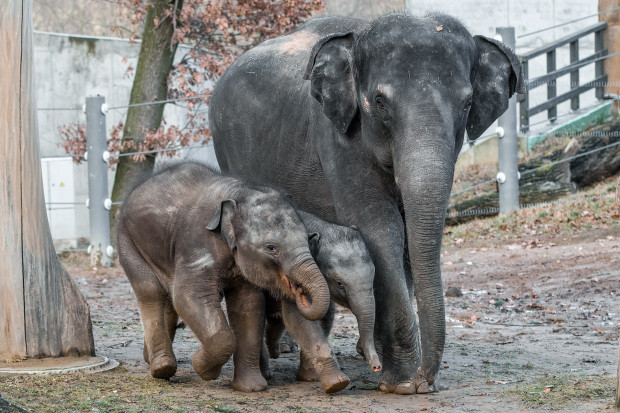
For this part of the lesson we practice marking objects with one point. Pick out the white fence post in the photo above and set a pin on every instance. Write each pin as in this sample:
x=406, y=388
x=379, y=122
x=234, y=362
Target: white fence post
x=508, y=175
x=98, y=202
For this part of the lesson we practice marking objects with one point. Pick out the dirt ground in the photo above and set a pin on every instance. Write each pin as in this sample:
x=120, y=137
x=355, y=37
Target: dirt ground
x=536, y=328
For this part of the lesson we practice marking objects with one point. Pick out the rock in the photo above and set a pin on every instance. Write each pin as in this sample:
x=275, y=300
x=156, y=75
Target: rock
x=454, y=292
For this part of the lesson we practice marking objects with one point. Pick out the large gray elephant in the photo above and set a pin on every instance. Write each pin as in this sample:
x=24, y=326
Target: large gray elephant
x=362, y=122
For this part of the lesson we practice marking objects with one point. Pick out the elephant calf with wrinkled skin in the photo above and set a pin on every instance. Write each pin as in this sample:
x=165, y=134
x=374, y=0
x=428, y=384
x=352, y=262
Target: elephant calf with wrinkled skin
x=342, y=257
x=189, y=236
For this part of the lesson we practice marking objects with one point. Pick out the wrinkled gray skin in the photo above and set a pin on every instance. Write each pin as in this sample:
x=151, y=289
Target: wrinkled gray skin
x=345, y=262
x=362, y=122
x=186, y=238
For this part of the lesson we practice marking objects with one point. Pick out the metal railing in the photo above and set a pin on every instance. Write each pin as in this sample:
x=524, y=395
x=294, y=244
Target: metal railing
x=553, y=73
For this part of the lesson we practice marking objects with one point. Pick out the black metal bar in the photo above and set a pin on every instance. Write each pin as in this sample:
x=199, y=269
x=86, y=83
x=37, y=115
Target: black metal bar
x=552, y=89
x=599, y=67
x=544, y=79
x=598, y=27
x=574, y=75
x=524, y=102
x=568, y=95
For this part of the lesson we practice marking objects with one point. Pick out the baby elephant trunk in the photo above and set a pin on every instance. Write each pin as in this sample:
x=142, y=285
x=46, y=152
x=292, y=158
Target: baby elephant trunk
x=363, y=308
x=310, y=289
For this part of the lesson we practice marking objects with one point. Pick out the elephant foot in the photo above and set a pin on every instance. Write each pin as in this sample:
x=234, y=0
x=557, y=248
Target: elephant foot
x=274, y=350
x=205, y=370
x=163, y=366
x=334, y=382
x=265, y=369
x=287, y=344
x=422, y=386
x=249, y=382
x=393, y=382
x=307, y=373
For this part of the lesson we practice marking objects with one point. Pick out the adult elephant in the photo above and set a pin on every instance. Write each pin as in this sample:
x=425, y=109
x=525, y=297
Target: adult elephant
x=362, y=122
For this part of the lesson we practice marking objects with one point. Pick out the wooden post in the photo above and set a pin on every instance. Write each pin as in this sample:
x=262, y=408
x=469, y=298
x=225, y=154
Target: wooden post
x=612, y=43
x=42, y=312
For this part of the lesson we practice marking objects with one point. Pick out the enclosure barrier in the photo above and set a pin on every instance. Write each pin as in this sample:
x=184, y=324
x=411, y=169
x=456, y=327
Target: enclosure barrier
x=98, y=159
x=549, y=79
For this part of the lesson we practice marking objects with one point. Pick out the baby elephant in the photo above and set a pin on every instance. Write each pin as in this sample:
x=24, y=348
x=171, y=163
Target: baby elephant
x=345, y=262
x=188, y=236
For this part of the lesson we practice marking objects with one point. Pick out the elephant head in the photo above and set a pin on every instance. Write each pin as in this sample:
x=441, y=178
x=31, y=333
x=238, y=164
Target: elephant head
x=405, y=90
x=270, y=247
x=345, y=262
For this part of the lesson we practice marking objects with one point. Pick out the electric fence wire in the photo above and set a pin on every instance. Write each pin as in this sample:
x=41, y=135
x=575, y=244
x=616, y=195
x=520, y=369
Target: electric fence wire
x=547, y=165
x=568, y=22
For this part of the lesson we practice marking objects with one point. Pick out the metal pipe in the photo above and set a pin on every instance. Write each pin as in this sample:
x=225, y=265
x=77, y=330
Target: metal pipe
x=100, y=246
x=508, y=175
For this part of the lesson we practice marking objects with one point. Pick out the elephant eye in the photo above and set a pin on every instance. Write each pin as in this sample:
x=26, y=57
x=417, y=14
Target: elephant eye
x=340, y=285
x=468, y=105
x=272, y=249
x=380, y=103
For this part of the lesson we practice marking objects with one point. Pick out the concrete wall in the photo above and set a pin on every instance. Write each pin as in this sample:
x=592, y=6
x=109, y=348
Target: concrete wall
x=67, y=69
x=365, y=9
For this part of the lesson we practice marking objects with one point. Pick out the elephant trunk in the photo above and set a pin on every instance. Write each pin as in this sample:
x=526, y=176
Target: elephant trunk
x=309, y=288
x=363, y=308
x=424, y=176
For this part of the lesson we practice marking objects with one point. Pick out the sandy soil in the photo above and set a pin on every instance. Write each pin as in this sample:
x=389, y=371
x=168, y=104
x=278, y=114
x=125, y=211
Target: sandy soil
x=529, y=313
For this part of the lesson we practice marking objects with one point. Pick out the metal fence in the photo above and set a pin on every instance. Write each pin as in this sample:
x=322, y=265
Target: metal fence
x=553, y=73
x=98, y=159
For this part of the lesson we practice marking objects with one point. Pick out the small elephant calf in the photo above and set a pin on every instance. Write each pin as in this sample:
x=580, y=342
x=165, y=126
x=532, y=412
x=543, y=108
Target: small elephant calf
x=341, y=254
x=189, y=236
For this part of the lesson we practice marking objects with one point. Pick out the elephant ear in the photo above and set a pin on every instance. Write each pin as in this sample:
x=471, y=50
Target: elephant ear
x=330, y=71
x=220, y=224
x=313, y=243
x=498, y=77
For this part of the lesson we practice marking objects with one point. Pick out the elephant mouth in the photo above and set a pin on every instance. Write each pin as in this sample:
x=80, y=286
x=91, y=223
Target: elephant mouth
x=302, y=296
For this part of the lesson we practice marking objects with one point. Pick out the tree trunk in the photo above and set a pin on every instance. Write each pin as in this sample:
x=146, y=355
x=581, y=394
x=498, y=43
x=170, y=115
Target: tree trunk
x=602, y=164
x=42, y=312
x=150, y=84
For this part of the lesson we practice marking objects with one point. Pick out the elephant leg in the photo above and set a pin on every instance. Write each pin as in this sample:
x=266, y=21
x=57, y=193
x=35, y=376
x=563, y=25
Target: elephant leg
x=396, y=324
x=152, y=303
x=265, y=368
x=274, y=326
x=384, y=234
x=170, y=322
x=306, y=371
x=199, y=307
x=314, y=345
x=328, y=319
x=273, y=332
x=245, y=304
